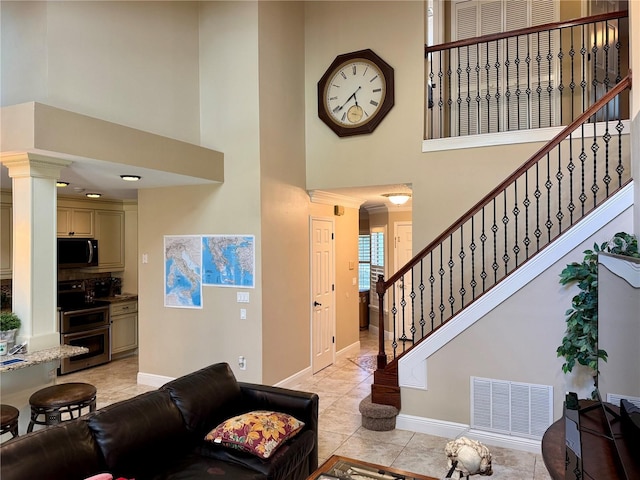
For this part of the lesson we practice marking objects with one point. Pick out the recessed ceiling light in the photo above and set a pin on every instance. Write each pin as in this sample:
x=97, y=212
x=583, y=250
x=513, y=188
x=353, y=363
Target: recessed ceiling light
x=94, y=195
x=130, y=178
x=62, y=184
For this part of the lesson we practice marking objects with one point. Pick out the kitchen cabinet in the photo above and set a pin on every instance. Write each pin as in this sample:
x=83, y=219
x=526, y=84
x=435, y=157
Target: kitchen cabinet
x=6, y=241
x=109, y=231
x=75, y=222
x=124, y=327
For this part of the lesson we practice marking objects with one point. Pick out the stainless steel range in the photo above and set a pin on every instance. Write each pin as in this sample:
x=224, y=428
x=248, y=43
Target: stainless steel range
x=83, y=322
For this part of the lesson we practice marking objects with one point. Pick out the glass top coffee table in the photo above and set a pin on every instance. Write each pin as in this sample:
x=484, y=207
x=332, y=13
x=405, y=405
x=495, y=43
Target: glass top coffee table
x=343, y=468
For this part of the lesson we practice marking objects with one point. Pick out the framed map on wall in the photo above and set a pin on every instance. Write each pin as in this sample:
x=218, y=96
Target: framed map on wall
x=182, y=271
x=229, y=260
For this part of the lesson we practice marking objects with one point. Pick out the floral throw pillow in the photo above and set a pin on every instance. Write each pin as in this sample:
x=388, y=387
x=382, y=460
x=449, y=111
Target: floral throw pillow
x=260, y=432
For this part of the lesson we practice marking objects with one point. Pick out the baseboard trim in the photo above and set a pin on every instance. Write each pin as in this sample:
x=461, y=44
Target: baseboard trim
x=152, y=380
x=440, y=428
x=294, y=379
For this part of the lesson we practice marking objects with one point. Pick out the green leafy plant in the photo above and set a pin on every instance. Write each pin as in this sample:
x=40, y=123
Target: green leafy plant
x=580, y=343
x=9, y=321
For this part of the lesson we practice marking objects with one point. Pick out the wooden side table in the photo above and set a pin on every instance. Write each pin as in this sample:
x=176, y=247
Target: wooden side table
x=598, y=452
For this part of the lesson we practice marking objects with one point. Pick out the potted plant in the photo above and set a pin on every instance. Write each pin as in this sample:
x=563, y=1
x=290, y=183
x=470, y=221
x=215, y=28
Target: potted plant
x=580, y=343
x=9, y=325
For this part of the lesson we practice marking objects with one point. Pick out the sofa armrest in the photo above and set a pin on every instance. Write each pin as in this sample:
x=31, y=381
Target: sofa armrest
x=302, y=405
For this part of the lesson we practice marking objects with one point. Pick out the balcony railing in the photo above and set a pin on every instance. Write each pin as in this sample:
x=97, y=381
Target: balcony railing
x=543, y=76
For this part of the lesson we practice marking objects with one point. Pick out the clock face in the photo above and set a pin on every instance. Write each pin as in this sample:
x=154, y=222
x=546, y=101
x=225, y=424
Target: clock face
x=355, y=93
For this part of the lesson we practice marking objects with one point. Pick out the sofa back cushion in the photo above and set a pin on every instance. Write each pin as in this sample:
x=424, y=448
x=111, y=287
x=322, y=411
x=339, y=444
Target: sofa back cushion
x=60, y=452
x=146, y=430
x=206, y=397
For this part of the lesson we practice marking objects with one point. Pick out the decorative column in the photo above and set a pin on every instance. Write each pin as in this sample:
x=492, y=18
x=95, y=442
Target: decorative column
x=34, y=246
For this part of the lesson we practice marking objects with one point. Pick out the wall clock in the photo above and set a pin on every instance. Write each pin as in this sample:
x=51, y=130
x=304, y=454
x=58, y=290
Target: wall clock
x=355, y=93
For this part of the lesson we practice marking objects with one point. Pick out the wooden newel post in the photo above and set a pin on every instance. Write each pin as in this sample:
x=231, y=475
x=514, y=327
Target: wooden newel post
x=382, y=356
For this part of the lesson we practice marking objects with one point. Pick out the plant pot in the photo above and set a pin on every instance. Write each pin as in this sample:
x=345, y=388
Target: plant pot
x=9, y=336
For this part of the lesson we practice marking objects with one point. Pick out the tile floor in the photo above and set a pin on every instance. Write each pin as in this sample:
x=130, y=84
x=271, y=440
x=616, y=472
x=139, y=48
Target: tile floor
x=340, y=387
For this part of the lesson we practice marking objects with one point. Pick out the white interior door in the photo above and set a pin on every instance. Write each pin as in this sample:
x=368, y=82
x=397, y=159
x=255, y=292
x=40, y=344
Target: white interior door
x=403, y=248
x=322, y=294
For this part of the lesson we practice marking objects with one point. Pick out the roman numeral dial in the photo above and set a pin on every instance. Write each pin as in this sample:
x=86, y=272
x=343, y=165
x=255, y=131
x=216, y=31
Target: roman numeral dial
x=355, y=93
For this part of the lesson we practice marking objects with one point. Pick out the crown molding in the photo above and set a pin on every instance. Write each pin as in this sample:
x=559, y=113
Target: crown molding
x=328, y=198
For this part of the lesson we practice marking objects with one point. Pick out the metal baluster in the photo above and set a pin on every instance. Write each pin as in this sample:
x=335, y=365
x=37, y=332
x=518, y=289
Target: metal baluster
x=571, y=167
x=468, y=70
x=413, y=309
x=497, y=67
x=559, y=177
x=518, y=91
x=528, y=90
x=478, y=99
x=605, y=49
x=548, y=185
x=494, y=229
x=620, y=167
x=403, y=304
x=549, y=82
x=539, y=87
x=583, y=160
x=394, y=311
x=451, y=264
x=507, y=93
x=572, y=85
x=526, y=202
x=505, y=223
x=560, y=84
x=422, y=287
x=516, y=212
x=472, y=247
x=594, y=58
x=461, y=255
x=441, y=273
x=432, y=281
x=440, y=101
x=537, y=194
x=449, y=100
x=459, y=99
x=583, y=81
x=487, y=96
x=606, y=138
x=483, y=241
x=430, y=98
x=594, y=148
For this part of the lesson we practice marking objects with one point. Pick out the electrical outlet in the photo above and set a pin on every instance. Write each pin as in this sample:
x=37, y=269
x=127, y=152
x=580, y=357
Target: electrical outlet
x=242, y=362
x=243, y=314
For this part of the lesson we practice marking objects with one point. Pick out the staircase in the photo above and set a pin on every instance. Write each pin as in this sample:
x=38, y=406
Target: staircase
x=566, y=180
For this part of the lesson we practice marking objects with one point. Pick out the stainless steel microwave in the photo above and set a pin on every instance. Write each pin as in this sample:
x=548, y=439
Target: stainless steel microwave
x=77, y=252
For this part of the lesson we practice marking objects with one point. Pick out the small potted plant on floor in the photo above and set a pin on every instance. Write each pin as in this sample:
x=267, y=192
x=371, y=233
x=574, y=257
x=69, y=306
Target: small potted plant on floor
x=9, y=325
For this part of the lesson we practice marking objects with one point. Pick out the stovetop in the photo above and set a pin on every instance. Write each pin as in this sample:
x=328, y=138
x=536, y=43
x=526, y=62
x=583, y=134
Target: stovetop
x=73, y=295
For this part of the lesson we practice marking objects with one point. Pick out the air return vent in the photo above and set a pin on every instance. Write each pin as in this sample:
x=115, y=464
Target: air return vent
x=519, y=409
x=614, y=398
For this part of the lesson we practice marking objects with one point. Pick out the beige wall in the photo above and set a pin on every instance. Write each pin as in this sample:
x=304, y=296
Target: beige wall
x=283, y=199
x=95, y=58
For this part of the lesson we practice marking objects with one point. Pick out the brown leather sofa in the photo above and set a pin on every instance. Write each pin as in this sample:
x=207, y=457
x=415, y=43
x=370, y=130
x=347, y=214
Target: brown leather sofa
x=160, y=435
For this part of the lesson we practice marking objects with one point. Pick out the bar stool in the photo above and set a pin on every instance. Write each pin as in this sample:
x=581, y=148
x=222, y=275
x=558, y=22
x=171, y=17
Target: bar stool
x=9, y=420
x=53, y=401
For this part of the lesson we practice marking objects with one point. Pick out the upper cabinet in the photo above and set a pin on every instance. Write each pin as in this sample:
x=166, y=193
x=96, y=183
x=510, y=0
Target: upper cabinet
x=109, y=229
x=75, y=222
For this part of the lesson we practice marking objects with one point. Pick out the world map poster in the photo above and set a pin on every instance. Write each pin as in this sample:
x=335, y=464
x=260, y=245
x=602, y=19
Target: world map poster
x=182, y=271
x=228, y=260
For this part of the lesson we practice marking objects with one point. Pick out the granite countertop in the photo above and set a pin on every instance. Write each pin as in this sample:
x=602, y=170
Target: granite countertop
x=125, y=297
x=42, y=356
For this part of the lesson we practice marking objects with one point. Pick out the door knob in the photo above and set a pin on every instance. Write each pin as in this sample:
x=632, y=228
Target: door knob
x=316, y=304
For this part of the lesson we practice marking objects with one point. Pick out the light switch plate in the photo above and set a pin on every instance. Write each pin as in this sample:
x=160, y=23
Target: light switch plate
x=242, y=297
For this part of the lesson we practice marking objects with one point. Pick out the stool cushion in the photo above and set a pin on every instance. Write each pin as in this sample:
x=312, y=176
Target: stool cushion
x=61, y=395
x=8, y=414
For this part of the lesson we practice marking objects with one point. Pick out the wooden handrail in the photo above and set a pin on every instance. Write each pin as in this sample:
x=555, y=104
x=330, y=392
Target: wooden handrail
x=526, y=31
x=610, y=95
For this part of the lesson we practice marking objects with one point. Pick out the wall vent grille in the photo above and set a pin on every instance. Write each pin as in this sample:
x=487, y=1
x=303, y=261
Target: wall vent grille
x=614, y=398
x=512, y=408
